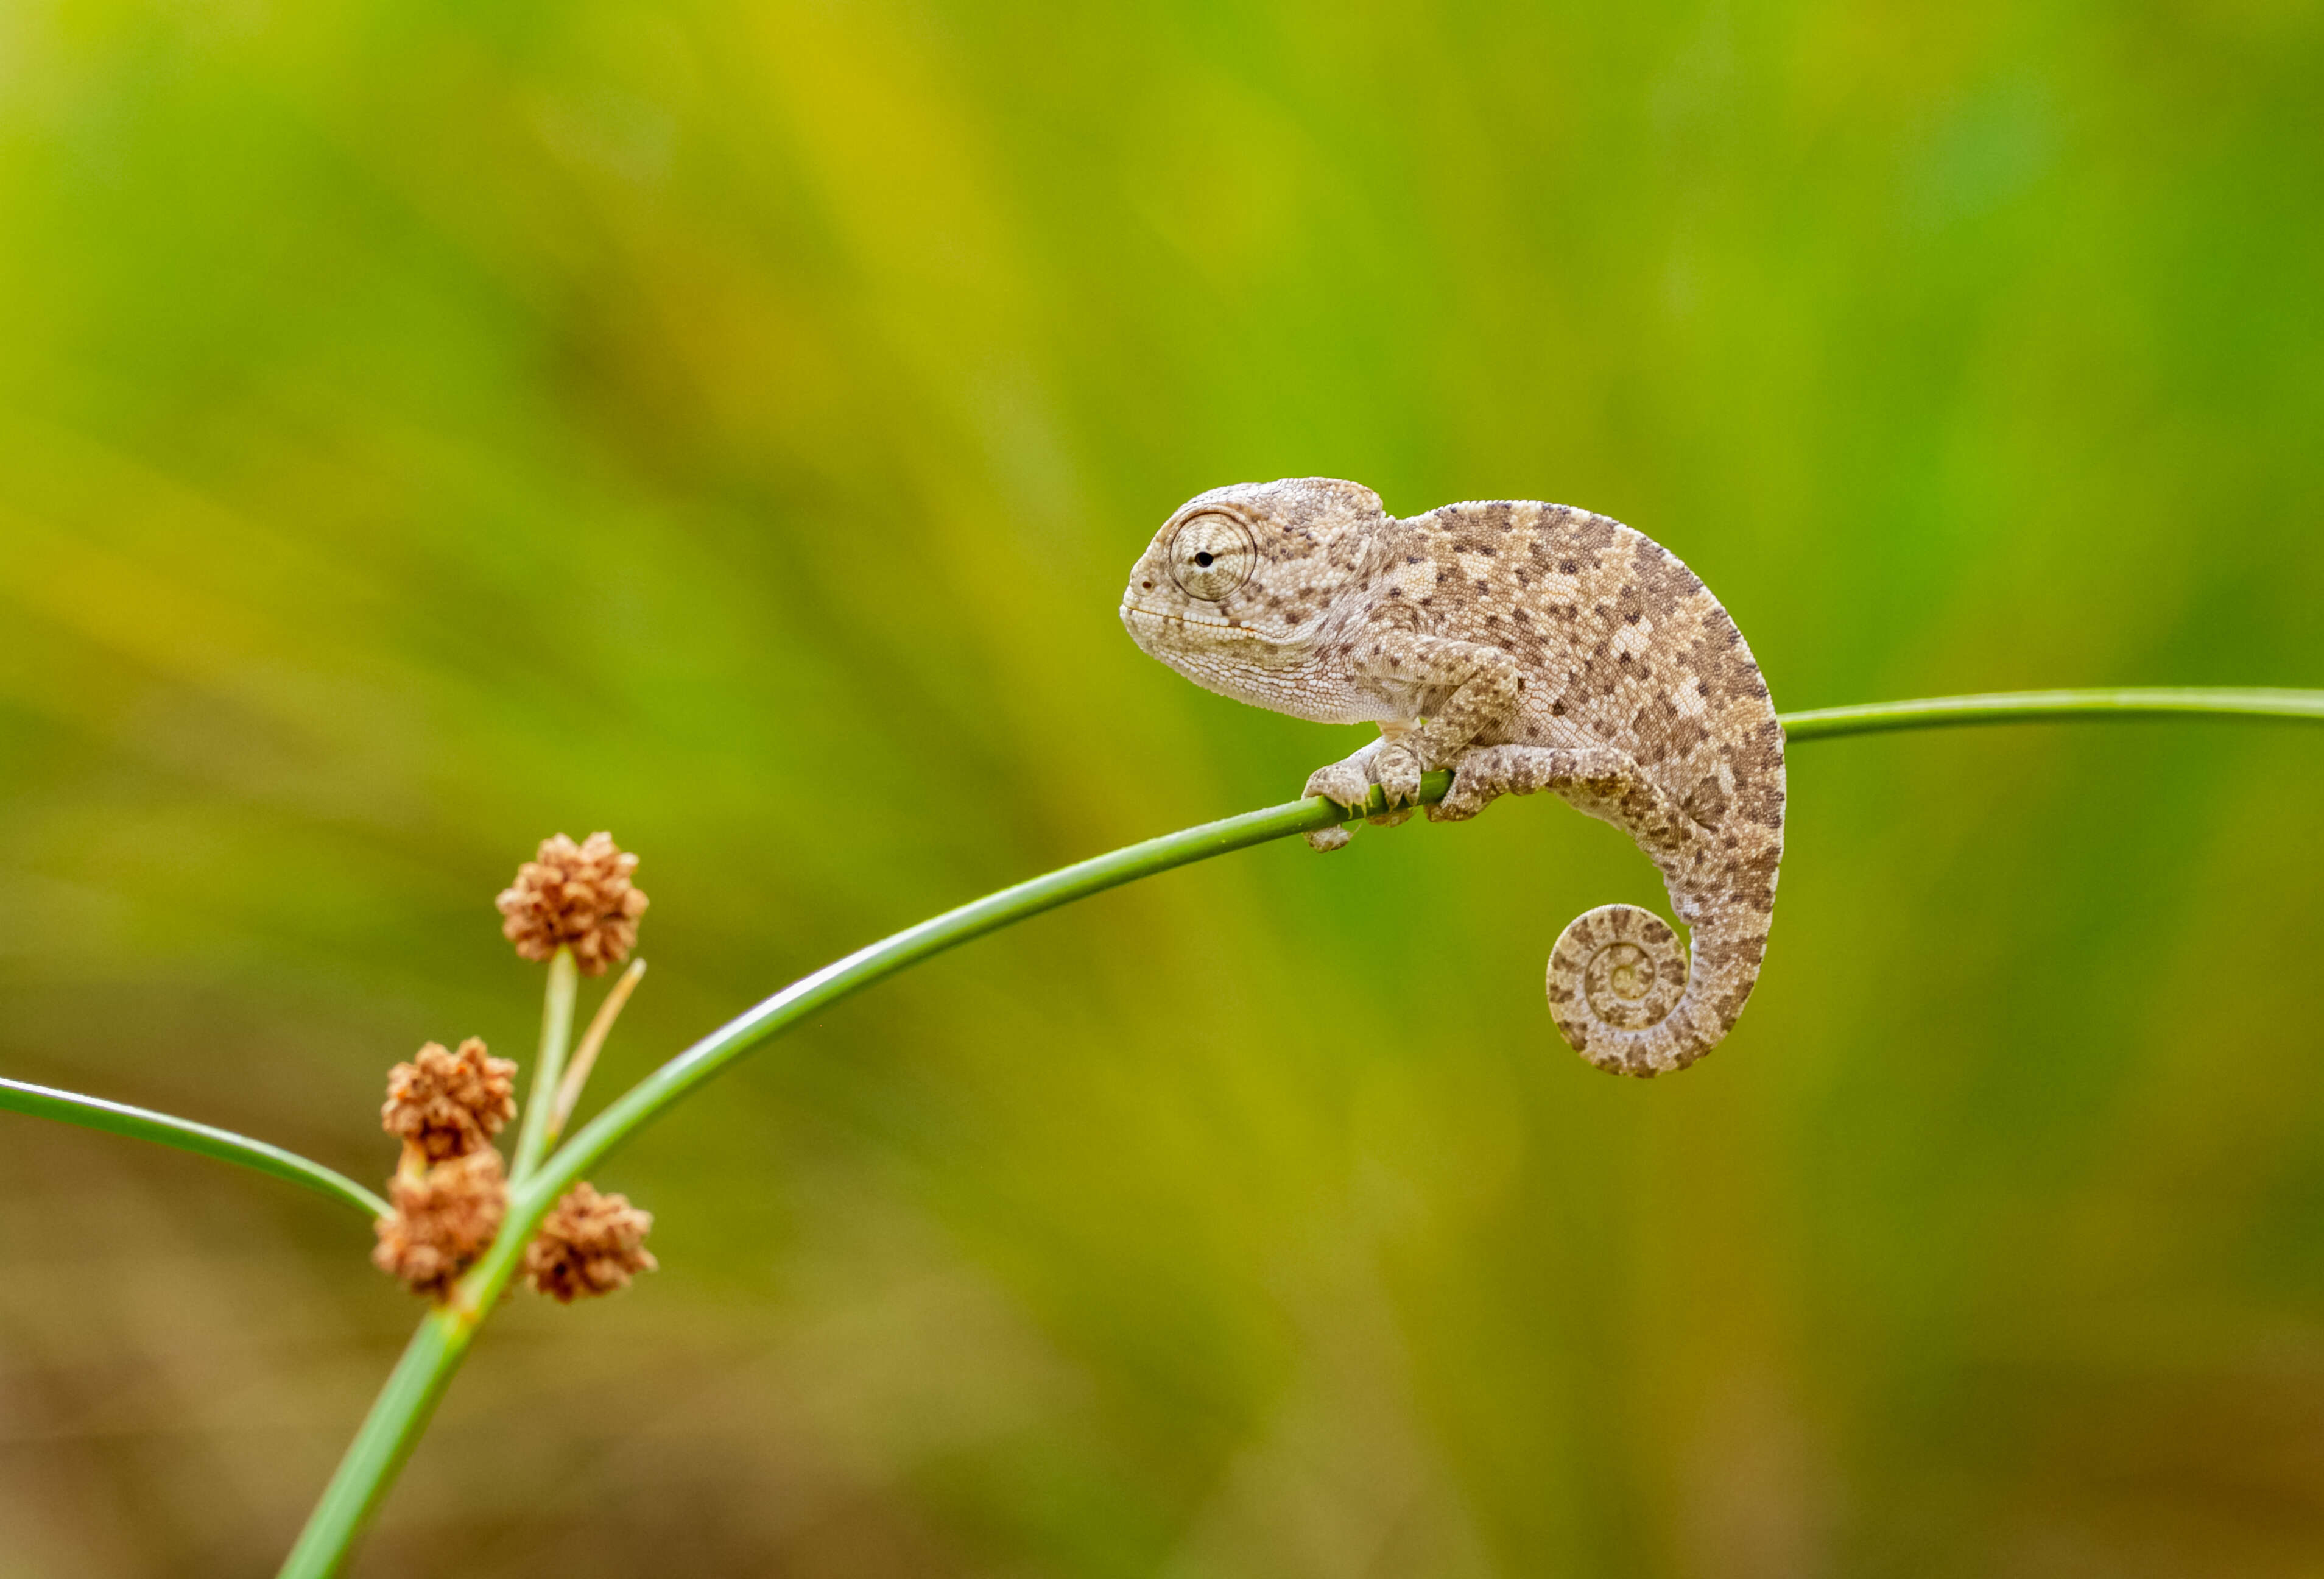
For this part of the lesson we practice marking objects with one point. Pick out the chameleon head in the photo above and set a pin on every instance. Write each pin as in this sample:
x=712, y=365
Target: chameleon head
x=1241, y=575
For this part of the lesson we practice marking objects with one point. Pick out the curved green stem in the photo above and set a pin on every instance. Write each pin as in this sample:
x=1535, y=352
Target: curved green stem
x=401, y=1413
x=142, y=1123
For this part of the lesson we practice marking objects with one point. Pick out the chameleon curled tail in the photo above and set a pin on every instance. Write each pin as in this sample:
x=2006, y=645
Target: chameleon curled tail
x=1624, y=994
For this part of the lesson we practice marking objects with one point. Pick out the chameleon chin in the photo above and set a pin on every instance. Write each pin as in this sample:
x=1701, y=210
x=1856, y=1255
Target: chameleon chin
x=1525, y=647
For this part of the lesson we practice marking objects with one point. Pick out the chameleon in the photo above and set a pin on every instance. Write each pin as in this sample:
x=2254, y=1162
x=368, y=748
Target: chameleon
x=1525, y=647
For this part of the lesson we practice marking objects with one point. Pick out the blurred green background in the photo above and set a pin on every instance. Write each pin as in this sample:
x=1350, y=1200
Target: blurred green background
x=424, y=427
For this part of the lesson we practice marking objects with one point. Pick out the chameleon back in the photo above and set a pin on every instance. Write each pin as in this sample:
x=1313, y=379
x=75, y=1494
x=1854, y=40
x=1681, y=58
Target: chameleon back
x=1624, y=647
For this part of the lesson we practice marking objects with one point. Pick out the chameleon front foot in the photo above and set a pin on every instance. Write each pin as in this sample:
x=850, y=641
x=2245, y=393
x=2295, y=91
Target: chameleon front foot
x=1348, y=786
x=1349, y=783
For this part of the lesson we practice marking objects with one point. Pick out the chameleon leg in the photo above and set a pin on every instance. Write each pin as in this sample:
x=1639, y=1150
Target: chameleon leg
x=1598, y=780
x=1481, y=685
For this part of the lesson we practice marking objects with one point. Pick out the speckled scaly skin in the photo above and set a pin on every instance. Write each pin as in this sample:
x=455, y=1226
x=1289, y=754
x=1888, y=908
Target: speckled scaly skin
x=1527, y=647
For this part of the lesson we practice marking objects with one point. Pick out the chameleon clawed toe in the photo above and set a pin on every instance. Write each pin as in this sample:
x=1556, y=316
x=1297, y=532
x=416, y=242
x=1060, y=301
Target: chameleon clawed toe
x=1397, y=772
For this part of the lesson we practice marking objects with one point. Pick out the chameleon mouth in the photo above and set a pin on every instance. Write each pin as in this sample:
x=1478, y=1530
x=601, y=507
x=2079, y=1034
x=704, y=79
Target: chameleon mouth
x=1131, y=611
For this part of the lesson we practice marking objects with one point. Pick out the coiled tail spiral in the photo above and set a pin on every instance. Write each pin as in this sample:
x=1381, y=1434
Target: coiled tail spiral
x=1624, y=992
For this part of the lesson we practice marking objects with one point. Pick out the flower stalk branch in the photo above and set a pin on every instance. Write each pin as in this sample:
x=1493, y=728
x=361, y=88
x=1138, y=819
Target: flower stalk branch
x=548, y=1068
x=117, y=1118
x=592, y=1041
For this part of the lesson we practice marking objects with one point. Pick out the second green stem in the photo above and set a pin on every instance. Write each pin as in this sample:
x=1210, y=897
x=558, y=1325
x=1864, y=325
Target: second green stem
x=548, y=1068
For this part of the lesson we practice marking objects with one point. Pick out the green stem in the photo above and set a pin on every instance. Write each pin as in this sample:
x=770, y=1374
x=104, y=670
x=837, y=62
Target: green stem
x=389, y=1433
x=2052, y=707
x=142, y=1123
x=548, y=1068
x=401, y=1409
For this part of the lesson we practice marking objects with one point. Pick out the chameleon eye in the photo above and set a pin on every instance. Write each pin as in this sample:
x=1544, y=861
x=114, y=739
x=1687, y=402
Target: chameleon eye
x=1211, y=556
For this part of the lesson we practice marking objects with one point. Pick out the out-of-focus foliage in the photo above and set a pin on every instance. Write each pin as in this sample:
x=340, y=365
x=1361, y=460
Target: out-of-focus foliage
x=426, y=427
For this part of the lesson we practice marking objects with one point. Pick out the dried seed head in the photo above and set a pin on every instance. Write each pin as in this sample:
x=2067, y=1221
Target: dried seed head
x=577, y=896
x=448, y=1104
x=588, y=1244
x=443, y=1220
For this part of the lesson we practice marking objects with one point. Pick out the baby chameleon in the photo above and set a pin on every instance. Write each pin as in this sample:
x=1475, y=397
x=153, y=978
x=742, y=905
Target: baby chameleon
x=1525, y=647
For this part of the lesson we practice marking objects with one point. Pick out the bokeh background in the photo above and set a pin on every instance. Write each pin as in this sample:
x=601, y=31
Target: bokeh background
x=426, y=427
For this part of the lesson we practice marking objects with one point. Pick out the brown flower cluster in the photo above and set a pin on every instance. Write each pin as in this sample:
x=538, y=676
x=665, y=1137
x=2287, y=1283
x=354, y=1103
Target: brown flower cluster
x=448, y=1104
x=448, y=1192
x=444, y=1218
x=576, y=896
x=588, y=1244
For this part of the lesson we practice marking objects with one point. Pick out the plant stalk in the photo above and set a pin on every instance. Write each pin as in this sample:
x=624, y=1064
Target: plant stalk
x=389, y=1433
x=401, y=1409
x=403, y=1405
x=1817, y=724
x=2051, y=707
x=556, y=1036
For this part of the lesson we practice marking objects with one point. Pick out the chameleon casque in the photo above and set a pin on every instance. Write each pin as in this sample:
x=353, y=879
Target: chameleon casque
x=1525, y=647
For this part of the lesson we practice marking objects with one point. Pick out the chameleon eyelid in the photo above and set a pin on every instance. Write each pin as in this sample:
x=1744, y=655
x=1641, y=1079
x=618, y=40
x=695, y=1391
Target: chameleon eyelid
x=1212, y=554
